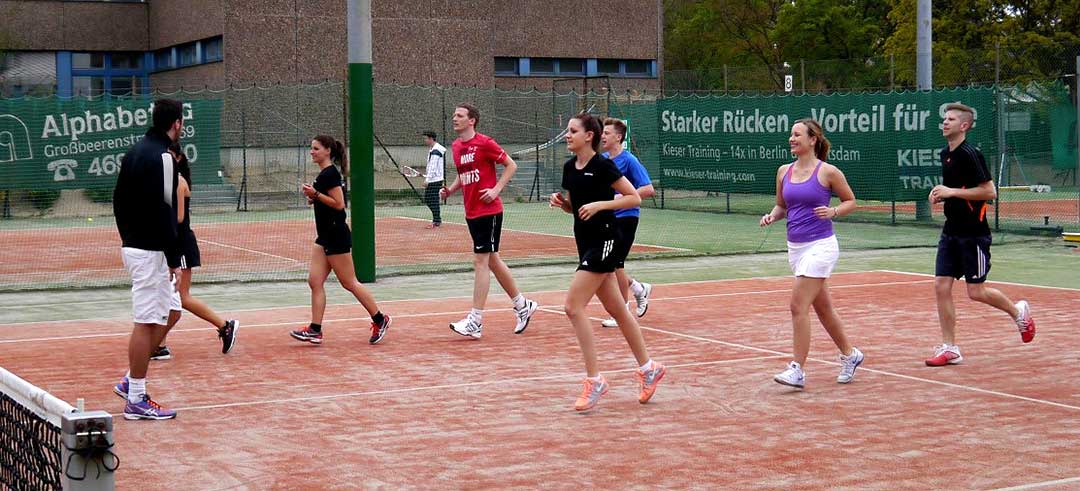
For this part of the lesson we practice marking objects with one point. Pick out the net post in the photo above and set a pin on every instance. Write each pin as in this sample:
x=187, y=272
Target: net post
x=361, y=139
x=88, y=461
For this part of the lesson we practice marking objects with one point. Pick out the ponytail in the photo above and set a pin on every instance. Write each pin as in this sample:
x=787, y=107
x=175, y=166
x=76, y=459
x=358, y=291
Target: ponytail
x=337, y=153
x=181, y=162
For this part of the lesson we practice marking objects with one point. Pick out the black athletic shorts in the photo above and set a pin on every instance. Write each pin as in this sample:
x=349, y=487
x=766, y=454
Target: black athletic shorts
x=337, y=242
x=625, y=229
x=964, y=256
x=486, y=232
x=189, y=251
x=596, y=249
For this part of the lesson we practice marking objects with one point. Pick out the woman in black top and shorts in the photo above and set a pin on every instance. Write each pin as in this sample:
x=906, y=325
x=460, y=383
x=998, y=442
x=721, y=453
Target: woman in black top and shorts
x=333, y=243
x=592, y=181
x=189, y=259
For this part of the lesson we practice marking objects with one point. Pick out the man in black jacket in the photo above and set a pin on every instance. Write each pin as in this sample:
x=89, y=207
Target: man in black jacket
x=144, y=203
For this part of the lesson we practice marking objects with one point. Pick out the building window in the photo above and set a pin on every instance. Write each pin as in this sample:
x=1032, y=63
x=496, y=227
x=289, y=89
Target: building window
x=88, y=60
x=186, y=54
x=211, y=49
x=636, y=67
x=129, y=61
x=570, y=66
x=547, y=67
x=506, y=66
x=608, y=67
x=87, y=86
x=189, y=54
x=101, y=73
x=163, y=59
x=126, y=85
x=542, y=66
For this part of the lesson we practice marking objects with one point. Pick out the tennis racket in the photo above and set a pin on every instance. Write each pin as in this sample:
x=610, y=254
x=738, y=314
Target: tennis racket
x=409, y=171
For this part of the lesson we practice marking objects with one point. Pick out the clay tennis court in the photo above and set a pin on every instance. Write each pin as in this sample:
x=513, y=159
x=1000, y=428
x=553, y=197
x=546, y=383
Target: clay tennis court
x=430, y=409
x=1058, y=210
x=90, y=254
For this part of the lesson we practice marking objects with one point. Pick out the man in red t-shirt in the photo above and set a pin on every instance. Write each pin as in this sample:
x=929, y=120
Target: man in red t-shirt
x=475, y=156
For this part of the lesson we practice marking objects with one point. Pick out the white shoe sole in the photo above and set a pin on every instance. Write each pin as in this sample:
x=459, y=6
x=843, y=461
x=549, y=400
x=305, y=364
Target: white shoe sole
x=532, y=307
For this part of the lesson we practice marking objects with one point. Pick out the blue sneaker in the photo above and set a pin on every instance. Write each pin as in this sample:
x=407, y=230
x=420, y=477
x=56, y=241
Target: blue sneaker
x=147, y=409
x=121, y=389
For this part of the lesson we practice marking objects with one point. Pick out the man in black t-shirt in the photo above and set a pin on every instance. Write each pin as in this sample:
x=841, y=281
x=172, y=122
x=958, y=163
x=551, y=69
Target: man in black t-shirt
x=964, y=247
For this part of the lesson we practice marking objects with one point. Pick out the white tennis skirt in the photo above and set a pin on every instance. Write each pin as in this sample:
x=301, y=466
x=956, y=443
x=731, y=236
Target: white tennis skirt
x=814, y=259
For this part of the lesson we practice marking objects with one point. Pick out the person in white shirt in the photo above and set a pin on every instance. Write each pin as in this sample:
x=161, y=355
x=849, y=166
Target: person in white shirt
x=433, y=178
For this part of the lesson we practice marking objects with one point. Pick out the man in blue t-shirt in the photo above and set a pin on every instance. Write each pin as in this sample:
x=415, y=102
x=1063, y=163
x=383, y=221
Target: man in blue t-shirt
x=626, y=220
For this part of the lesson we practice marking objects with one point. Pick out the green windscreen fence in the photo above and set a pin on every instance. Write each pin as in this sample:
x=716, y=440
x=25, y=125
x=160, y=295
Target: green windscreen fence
x=713, y=160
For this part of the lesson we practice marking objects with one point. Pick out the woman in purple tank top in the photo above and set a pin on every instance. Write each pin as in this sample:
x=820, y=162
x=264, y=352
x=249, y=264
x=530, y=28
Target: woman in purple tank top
x=803, y=191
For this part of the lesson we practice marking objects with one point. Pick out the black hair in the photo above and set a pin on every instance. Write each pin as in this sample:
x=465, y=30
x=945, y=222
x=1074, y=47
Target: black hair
x=182, y=164
x=430, y=134
x=167, y=112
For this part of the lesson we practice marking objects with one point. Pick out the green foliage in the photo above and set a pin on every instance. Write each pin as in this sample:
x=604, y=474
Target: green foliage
x=867, y=43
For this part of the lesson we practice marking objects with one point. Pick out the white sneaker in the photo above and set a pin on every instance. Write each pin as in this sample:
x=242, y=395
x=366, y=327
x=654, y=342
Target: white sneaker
x=524, y=315
x=848, y=364
x=643, y=299
x=609, y=322
x=793, y=376
x=467, y=327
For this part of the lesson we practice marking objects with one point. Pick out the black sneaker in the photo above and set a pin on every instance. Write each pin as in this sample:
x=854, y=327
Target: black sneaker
x=379, y=330
x=307, y=334
x=161, y=353
x=228, y=335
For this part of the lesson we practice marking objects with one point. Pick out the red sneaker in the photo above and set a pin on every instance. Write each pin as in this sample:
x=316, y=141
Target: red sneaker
x=1024, y=322
x=945, y=355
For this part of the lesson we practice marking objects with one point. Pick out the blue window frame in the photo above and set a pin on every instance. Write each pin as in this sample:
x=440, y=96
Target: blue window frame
x=208, y=50
x=91, y=74
x=553, y=67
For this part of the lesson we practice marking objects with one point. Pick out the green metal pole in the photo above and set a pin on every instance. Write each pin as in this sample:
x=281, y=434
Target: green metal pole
x=361, y=139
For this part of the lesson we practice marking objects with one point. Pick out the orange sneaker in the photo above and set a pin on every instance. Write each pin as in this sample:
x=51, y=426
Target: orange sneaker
x=648, y=379
x=591, y=393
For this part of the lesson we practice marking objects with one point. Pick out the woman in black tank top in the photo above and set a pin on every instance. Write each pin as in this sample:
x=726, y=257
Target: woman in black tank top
x=333, y=243
x=592, y=181
x=189, y=259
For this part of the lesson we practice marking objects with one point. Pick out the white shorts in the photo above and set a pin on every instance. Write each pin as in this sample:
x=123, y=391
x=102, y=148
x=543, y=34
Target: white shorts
x=153, y=295
x=814, y=259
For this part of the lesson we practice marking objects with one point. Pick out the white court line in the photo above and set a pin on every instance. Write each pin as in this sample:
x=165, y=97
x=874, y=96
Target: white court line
x=680, y=249
x=684, y=297
x=1043, y=484
x=253, y=251
x=871, y=370
x=450, y=386
x=452, y=297
x=991, y=281
x=242, y=326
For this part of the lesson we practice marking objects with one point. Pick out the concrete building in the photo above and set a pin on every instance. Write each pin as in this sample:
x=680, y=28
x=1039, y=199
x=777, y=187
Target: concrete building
x=90, y=47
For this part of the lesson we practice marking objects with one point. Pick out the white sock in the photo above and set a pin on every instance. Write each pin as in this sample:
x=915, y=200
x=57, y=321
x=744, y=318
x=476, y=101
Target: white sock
x=128, y=374
x=636, y=287
x=519, y=302
x=594, y=379
x=647, y=365
x=477, y=315
x=136, y=389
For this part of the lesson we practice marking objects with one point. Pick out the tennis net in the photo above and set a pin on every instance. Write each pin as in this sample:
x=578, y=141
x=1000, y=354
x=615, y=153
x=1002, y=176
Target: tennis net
x=30, y=436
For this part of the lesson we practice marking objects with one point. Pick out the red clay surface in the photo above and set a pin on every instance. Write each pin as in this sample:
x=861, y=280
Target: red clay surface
x=74, y=255
x=1059, y=210
x=430, y=409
